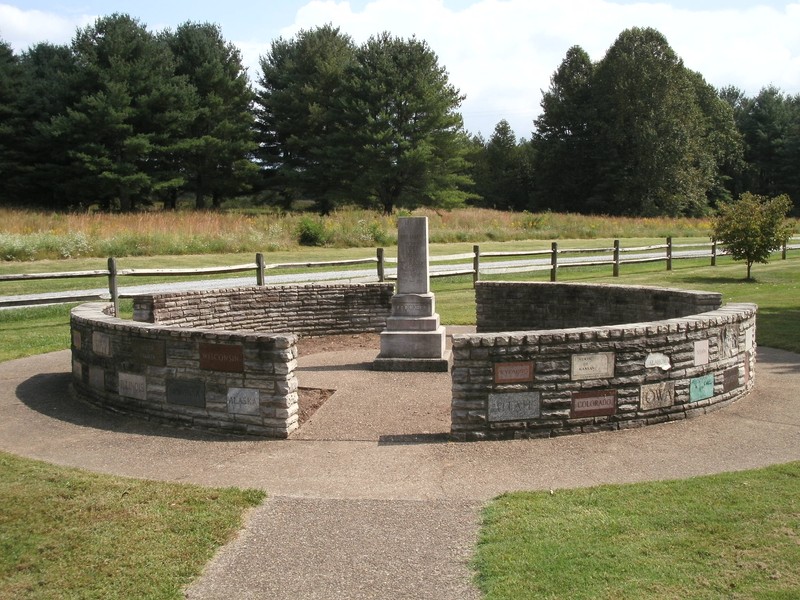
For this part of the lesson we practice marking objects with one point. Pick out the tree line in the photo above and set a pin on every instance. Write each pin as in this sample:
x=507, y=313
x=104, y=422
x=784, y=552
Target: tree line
x=122, y=118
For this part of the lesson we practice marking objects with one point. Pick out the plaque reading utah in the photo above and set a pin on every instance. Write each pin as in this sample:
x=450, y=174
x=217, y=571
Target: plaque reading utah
x=222, y=357
x=593, y=404
x=592, y=366
x=513, y=372
x=516, y=406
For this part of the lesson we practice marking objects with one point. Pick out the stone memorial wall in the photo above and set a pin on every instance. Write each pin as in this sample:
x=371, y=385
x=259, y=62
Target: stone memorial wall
x=222, y=360
x=561, y=378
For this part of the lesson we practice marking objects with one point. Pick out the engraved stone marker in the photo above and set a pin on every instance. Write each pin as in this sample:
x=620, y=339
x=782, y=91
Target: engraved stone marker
x=222, y=357
x=729, y=340
x=592, y=366
x=700, y=353
x=593, y=403
x=514, y=406
x=657, y=395
x=244, y=401
x=656, y=360
x=149, y=352
x=97, y=377
x=749, y=339
x=186, y=392
x=730, y=379
x=133, y=385
x=513, y=372
x=76, y=339
x=101, y=343
x=701, y=388
x=413, y=340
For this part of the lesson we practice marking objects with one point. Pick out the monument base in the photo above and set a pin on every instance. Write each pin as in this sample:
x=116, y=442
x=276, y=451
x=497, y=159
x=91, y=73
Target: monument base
x=413, y=351
x=415, y=365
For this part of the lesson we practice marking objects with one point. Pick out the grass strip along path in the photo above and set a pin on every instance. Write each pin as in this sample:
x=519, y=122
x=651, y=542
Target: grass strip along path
x=65, y=533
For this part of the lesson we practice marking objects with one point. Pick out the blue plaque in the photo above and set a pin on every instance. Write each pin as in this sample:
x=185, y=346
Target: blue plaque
x=701, y=388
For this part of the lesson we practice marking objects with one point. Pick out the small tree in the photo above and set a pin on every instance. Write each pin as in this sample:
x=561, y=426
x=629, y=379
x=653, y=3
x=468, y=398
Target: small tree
x=753, y=227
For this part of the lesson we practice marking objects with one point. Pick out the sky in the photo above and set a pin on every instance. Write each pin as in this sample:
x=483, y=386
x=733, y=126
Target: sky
x=499, y=53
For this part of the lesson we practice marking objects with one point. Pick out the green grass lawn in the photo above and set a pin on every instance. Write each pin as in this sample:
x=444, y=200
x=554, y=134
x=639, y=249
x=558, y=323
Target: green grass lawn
x=65, y=533
x=725, y=536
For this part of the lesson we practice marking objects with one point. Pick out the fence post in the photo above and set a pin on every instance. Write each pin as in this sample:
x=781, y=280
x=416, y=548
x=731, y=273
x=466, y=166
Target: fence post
x=260, y=268
x=476, y=264
x=669, y=253
x=553, y=261
x=713, y=253
x=112, y=284
x=616, y=258
x=381, y=272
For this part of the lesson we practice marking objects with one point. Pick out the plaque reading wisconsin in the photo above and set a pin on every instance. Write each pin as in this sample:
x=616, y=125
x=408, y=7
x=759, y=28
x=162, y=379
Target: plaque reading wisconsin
x=513, y=372
x=222, y=357
x=515, y=406
x=593, y=404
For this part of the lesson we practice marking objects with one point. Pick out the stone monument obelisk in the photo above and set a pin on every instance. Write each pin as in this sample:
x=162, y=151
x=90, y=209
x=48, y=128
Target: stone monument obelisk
x=414, y=340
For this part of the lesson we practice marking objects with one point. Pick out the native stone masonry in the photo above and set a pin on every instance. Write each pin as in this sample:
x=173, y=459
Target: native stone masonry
x=523, y=383
x=223, y=360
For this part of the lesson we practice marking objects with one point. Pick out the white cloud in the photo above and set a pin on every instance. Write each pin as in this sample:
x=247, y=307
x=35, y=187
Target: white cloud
x=501, y=54
x=24, y=28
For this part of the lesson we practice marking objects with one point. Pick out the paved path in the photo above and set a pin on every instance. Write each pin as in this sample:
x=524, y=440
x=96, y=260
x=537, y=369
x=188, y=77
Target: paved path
x=369, y=500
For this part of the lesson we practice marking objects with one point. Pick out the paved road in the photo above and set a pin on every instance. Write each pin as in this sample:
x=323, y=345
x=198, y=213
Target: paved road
x=349, y=275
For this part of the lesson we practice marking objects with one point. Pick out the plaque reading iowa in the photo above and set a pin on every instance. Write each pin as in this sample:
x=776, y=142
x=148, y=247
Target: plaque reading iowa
x=221, y=357
x=516, y=406
x=513, y=372
x=593, y=404
x=657, y=395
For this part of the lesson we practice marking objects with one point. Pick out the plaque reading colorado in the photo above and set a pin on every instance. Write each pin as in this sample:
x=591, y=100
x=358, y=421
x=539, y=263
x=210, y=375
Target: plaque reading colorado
x=701, y=388
x=243, y=401
x=133, y=386
x=592, y=366
x=513, y=372
x=222, y=357
x=594, y=403
x=517, y=406
x=657, y=395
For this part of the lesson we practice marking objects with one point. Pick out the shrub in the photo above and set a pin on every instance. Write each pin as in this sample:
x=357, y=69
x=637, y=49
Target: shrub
x=311, y=232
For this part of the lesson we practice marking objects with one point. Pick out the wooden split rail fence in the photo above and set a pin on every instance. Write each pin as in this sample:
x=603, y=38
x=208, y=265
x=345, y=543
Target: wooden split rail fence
x=482, y=262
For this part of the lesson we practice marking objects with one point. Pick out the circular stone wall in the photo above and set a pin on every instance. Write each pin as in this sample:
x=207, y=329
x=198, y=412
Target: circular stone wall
x=553, y=359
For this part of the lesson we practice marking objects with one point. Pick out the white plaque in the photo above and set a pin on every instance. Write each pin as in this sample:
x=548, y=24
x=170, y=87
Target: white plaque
x=244, y=401
x=101, y=343
x=749, y=339
x=657, y=395
x=132, y=385
x=656, y=360
x=592, y=366
x=700, y=353
x=514, y=406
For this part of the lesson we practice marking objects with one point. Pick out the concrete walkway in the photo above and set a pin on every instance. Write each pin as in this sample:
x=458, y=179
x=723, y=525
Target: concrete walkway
x=369, y=499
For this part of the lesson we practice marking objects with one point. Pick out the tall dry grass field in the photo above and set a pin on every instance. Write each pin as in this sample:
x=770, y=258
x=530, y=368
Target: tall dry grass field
x=30, y=235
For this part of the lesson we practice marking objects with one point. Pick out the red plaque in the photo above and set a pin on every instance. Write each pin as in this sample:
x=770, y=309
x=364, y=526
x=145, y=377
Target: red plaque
x=513, y=372
x=222, y=357
x=593, y=404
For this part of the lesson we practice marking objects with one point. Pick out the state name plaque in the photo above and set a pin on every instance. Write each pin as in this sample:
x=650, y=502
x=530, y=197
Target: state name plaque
x=513, y=372
x=514, y=406
x=657, y=395
x=186, y=392
x=730, y=379
x=701, y=388
x=221, y=357
x=244, y=401
x=149, y=352
x=597, y=403
x=133, y=385
x=592, y=366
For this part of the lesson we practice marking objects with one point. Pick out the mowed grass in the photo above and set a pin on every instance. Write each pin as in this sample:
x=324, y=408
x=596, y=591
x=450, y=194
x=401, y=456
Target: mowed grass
x=65, y=533
x=724, y=536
